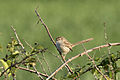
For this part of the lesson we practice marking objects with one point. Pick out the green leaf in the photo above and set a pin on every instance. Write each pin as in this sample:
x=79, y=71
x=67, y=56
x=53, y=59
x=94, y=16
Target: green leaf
x=30, y=61
x=5, y=65
x=14, y=42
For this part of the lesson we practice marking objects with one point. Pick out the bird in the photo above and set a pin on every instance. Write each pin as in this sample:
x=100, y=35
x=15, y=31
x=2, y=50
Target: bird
x=64, y=46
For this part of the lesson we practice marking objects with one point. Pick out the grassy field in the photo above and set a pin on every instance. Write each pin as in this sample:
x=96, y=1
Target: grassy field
x=74, y=19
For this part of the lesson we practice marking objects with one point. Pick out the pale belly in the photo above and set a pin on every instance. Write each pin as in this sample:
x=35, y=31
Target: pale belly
x=63, y=49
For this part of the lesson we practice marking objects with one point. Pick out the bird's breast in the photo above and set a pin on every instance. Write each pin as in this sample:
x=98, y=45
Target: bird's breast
x=61, y=46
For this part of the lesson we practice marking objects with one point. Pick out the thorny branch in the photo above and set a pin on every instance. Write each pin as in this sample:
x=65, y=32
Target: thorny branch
x=79, y=55
x=40, y=19
x=90, y=58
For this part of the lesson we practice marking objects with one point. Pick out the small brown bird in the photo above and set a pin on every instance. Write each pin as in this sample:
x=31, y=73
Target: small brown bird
x=65, y=46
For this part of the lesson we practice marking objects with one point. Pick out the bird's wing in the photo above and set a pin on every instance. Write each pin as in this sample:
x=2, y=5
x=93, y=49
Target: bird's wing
x=68, y=44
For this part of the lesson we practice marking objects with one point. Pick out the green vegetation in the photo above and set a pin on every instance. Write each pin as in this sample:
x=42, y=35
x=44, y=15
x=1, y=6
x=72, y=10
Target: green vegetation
x=74, y=19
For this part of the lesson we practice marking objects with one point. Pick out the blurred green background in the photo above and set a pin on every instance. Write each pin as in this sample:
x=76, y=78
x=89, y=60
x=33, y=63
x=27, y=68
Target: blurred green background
x=74, y=19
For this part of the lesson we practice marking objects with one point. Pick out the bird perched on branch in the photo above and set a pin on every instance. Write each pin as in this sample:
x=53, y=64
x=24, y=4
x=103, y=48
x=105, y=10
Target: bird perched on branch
x=65, y=46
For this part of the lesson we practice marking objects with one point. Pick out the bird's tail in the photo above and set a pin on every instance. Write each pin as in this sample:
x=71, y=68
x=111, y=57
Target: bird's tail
x=80, y=42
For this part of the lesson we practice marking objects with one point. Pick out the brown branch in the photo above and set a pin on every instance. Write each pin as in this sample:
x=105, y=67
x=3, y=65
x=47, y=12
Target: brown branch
x=17, y=37
x=46, y=62
x=36, y=57
x=28, y=44
x=55, y=56
x=42, y=68
x=90, y=58
x=33, y=71
x=41, y=78
x=58, y=58
x=79, y=55
x=81, y=42
x=50, y=36
x=45, y=27
x=18, y=63
x=90, y=68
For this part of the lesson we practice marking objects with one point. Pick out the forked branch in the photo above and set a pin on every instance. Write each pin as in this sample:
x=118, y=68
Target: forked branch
x=33, y=71
x=79, y=55
x=92, y=60
x=40, y=19
x=20, y=62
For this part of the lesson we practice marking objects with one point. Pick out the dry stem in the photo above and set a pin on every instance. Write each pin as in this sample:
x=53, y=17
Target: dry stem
x=17, y=37
x=33, y=71
x=18, y=63
x=40, y=19
x=46, y=62
x=90, y=58
x=36, y=57
x=90, y=50
x=109, y=52
x=41, y=78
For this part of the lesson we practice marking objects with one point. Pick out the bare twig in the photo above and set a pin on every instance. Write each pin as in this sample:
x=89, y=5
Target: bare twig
x=50, y=36
x=99, y=47
x=38, y=60
x=81, y=42
x=91, y=67
x=94, y=63
x=33, y=71
x=41, y=78
x=56, y=56
x=45, y=27
x=18, y=63
x=90, y=50
x=109, y=52
x=17, y=37
x=43, y=69
x=28, y=44
x=46, y=63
